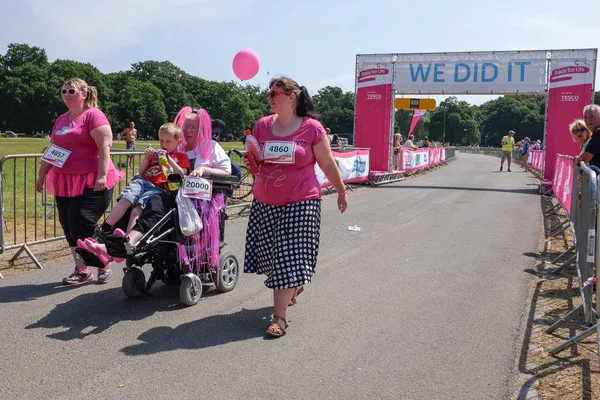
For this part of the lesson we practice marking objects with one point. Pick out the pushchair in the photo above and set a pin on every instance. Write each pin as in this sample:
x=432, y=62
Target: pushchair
x=160, y=246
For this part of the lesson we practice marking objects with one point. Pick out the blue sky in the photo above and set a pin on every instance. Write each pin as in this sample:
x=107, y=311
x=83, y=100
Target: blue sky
x=315, y=43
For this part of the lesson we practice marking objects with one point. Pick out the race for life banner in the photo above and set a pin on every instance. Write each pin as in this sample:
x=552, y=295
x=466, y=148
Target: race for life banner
x=374, y=102
x=415, y=119
x=493, y=72
x=415, y=159
x=536, y=159
x=570, y=89
x=562, y=180
x=354, y=167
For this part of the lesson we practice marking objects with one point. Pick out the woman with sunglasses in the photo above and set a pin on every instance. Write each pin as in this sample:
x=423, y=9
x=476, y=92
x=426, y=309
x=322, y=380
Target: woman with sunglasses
x=580, y=134
x=282, y=238
x=82, y=175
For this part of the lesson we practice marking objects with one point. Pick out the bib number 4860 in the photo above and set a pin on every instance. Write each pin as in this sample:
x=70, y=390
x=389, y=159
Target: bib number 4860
x=279, y=149
x=279, y=152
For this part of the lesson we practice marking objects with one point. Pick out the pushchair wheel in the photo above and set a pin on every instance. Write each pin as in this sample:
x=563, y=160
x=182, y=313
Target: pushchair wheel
x=227, y=276
x=190, y=289
x=134, y=282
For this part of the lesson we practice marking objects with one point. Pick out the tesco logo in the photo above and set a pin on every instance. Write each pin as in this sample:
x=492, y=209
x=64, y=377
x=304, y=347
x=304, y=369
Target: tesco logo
x=373, y=96
x=569, y=98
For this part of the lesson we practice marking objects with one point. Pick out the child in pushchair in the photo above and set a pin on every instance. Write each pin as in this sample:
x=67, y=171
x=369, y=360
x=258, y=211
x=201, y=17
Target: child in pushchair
x=157, y=238
x=190, y=261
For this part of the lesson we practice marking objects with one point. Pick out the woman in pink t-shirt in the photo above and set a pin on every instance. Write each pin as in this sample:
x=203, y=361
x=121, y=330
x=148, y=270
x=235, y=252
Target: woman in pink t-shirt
x=282, y=239
x=83, y=185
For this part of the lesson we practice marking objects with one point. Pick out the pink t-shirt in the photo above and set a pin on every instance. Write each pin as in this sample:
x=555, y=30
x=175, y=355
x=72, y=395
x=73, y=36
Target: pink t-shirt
x=282, y=184
x=75, y=136
x=80, y=169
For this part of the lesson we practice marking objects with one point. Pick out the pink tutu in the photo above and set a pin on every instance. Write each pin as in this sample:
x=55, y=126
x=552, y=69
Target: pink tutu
x=67, y=185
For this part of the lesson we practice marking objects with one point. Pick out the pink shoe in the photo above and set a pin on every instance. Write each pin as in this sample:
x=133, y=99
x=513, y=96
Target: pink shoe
x=91, y=246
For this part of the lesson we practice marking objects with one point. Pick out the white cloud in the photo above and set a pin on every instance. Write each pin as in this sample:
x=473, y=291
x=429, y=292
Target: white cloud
x=99, y=28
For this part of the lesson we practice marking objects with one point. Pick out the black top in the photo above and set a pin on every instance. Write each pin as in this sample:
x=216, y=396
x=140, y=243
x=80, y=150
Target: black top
x=593, y=147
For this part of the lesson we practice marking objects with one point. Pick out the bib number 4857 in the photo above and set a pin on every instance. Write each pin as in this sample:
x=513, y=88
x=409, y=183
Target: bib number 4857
x=56, y=155
x=197, y=188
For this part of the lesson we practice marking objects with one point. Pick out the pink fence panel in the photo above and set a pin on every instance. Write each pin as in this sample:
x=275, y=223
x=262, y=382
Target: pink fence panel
x=563, y=173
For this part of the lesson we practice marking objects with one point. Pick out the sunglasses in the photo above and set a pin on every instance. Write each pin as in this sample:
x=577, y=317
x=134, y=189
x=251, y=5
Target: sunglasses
x=70, y=91
x=274, y=92
x=578, y=130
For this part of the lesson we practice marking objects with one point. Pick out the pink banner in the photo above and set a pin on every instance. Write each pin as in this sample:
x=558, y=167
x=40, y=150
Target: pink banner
x=563, y=173
x=415, y=160
x=374, y=102
x=415, y=119
x=571, y=89
x=536, y=159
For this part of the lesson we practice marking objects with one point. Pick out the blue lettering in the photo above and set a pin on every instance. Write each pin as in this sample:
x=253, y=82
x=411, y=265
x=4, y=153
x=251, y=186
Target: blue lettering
x=510, y=72
x=483, y=69
x=467, y=75
x=359, y=166
x=424, y=75
x=523, y=64
x=437, y=72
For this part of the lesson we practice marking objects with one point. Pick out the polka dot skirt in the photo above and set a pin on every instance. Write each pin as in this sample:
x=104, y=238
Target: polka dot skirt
x=282, y=242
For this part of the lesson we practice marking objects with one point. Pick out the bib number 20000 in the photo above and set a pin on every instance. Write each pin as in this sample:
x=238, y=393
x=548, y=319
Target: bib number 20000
x=197, y=188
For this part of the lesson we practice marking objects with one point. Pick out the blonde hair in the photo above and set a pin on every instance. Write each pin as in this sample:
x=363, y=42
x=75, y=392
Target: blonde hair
x=579, y=123
x=91, y=99
x=172, y=129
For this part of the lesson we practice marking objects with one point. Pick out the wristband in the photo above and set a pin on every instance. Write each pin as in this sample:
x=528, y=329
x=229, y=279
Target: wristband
x=340, y=194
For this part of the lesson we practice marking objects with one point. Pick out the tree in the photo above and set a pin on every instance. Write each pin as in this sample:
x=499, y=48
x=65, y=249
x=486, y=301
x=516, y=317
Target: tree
x=336, y=109
x=455, y=122
x=141, y=102
x=523, y=114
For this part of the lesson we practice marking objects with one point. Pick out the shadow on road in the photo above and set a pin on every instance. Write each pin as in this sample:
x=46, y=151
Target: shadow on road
x=207, y=332
x=93, y=313
x=20, y=293
x=469, y=189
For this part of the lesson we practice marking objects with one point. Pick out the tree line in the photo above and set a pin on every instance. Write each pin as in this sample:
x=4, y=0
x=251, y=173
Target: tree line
x=152, y=92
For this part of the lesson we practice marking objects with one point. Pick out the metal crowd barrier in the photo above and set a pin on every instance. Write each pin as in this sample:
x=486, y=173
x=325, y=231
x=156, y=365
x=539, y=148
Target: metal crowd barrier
x=583, y=218
x=28, y=217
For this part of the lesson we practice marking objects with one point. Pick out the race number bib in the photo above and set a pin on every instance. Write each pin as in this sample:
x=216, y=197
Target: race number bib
x=56, y=156
x=197, y=188
x=279, y=152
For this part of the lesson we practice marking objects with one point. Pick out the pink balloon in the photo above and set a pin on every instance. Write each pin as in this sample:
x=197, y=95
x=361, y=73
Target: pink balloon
x=246, y=64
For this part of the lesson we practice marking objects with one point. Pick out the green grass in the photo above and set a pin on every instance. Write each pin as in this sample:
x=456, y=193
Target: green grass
x=29, y=215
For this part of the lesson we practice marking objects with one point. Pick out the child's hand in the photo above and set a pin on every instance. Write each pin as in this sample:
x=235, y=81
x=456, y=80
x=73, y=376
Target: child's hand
x=149, y=152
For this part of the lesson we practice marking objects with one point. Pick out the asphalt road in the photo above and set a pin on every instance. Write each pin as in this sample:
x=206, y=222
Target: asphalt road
x=425, y=302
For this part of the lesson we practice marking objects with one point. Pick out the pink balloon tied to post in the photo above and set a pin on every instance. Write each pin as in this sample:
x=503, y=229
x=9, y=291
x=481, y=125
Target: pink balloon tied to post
x=246, y=64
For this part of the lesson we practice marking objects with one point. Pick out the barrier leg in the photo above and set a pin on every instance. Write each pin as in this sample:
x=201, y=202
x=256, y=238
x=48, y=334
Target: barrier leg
x=561, y=228
x=565, y=265
x=11, y=262
x=552, y=210
x=569, y=316
x=574, y=339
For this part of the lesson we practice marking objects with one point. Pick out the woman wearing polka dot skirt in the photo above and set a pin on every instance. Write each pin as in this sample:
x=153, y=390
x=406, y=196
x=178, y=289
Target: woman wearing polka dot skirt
x=282, y=240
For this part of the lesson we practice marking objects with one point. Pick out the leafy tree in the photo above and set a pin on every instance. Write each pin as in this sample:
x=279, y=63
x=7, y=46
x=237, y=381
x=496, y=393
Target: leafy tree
x=336, y=109
x=141, y=102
